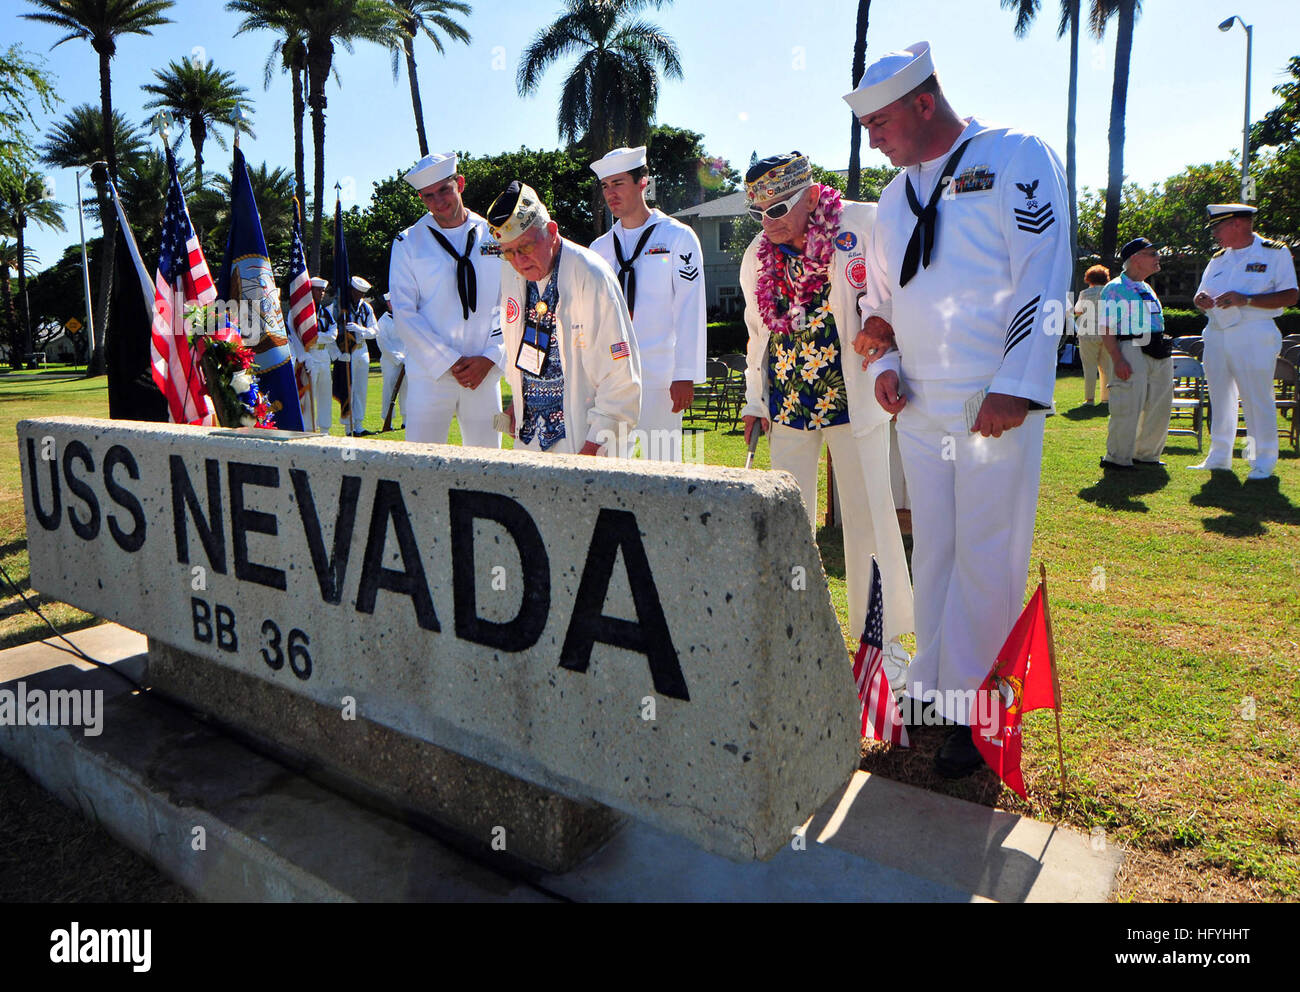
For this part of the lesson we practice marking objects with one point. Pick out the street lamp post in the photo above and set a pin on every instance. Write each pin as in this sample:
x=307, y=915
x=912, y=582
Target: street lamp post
x=85, y=267
x=1245, y=127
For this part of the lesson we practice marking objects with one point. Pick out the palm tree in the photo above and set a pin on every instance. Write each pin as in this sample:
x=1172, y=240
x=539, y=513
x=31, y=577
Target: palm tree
x=425, y=15
x=1126, y=12
x=9, y=259
x=610, y=94
x=78, y=140
x=102, y=22
x=1026, y=11
x=321, y=23
x=855, y=131
x=24, y=197
x=201, y=96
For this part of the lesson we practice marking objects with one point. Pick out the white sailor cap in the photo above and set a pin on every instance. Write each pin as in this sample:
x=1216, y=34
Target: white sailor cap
x=1226, y=211
x=318, y=283
x=619, y=160
x=432, y=169
x=360, y=285
x=891, y=76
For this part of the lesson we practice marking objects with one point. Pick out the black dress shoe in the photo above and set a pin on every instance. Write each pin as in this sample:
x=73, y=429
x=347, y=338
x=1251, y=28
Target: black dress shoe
x=1143, y=461
x=958, y=757
x=1116, y=466
x=362, y=433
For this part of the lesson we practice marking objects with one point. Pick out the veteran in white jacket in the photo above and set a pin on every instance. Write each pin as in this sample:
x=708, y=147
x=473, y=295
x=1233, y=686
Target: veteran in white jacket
x=802, y=277
x=571, y=357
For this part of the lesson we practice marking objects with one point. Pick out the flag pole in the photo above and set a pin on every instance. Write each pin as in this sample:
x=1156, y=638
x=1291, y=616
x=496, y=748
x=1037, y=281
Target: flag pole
x=1056, y=679
x=343, y=299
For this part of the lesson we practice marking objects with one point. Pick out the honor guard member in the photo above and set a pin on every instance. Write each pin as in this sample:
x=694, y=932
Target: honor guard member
x=355, y=327
x=571, y=357
x=444, y=278
x=1248, y=283
x=1132, y=323
x=392, y=358
x=660, y=268
x=318, y=359
x=802, y=276
x=970, y=262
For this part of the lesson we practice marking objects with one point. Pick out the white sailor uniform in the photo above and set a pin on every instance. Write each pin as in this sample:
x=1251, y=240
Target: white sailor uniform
x=441, y=314
x=317, y=360
x=391, y=357
x=363, y=326
x=662, y=271
x=982, y=314
x=596, y=347
x=1241, y=347
x=860, y=448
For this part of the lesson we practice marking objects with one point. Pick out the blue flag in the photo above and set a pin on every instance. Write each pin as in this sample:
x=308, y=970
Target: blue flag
x=246, y=279
x=343, y=310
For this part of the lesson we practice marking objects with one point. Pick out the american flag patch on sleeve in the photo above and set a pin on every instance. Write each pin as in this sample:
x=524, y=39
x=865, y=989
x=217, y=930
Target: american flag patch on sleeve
x=619, y=350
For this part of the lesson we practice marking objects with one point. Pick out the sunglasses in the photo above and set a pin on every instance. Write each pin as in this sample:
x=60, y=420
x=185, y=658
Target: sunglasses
x=776, y=210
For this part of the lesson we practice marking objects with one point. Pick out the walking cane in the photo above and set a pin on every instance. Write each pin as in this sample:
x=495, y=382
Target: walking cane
x=754, y=435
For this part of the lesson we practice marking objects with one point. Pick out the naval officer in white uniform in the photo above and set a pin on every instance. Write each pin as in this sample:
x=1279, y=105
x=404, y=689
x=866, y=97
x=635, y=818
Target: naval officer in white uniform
x=970, y=263
x=443, y=279
x=360, y=324
x=317, y=360
x=1248, y=283
x=392, y=355
x=572, y=360
x=660, y=268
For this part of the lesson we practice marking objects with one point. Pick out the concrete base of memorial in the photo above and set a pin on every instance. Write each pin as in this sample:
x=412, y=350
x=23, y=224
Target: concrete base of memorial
x=475, y=807
x=230, y=824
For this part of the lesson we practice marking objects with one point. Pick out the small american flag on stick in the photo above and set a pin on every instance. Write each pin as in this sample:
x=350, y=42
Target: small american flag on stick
x=880, y=717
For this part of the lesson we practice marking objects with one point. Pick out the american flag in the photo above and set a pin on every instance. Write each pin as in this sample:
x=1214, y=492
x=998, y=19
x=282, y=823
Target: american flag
x=182, y=278
x=302, y=309
x=879, y=711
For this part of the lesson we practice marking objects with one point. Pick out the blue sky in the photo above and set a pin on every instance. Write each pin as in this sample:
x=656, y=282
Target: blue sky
x=764, y=75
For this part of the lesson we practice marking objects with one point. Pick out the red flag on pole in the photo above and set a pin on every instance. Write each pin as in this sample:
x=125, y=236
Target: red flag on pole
x=1021, y=680
x=880, y=716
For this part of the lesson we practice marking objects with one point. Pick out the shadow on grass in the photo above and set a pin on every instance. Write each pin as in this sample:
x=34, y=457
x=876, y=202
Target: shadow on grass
x=1085, y=412
x=1248, y=506
x=1120, y=490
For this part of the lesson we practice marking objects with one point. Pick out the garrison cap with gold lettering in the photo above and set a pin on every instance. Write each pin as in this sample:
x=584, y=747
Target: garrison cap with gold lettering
x=891, y=76
x=432, y=169
x=777, y=177
x=515, y=211
x=1226, y=211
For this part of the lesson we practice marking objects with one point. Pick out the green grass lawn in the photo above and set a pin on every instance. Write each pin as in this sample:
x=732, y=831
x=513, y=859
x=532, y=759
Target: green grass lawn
x=1175, y=600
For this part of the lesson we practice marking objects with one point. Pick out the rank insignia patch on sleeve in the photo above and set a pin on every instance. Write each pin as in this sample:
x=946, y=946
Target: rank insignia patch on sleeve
x=1033, y=218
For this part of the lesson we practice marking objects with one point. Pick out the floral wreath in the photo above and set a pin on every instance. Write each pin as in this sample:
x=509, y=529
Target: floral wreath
x=783, y=302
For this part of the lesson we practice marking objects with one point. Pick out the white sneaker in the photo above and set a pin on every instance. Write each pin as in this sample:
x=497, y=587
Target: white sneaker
x=1206, y=466
x=1258, y=473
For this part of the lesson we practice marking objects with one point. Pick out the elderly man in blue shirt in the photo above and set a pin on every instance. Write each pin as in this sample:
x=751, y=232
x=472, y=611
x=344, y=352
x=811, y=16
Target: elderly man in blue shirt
x=1141, y=394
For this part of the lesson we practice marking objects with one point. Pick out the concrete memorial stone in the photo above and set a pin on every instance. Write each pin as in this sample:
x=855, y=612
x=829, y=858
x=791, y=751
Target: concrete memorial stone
x=659, y=640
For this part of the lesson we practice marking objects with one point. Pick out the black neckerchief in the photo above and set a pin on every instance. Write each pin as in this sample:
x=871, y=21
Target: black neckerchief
x=627, y=274
x=927, y=219
x=466, y=279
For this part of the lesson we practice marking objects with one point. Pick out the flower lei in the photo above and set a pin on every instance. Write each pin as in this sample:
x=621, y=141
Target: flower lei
x=783, y=303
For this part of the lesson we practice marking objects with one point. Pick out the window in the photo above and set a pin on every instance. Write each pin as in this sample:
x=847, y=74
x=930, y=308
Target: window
x=724, y=234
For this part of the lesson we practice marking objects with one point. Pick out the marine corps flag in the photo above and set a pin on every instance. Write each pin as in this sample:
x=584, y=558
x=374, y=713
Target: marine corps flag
x=246, y=280
x=1022, y=679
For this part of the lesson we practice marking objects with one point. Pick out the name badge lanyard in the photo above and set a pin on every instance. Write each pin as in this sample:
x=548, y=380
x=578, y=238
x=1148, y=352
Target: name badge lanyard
x=539, y=325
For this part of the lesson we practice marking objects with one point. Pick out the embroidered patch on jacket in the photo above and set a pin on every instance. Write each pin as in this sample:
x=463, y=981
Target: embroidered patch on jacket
x=856, y=272
x=1033, y=218
x=657, y=250
x=1022, y=324
x=1257, y=267
x=619, y=350
x=846, y=241
x=973, y=180
x=688, y=271
x=512, y=310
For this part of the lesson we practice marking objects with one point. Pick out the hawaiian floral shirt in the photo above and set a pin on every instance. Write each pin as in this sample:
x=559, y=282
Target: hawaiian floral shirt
x=804, y=372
